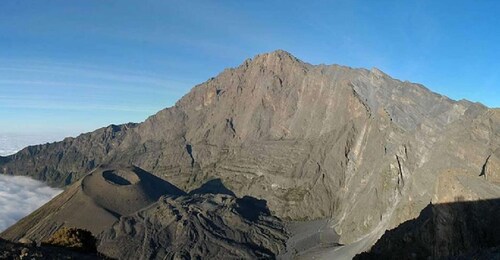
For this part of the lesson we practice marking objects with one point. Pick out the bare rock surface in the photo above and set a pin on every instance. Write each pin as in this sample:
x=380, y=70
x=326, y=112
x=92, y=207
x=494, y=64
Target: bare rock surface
x=201, y=226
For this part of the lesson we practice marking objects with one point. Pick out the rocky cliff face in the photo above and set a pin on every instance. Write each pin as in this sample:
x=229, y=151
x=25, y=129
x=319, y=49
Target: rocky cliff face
x=314, y=141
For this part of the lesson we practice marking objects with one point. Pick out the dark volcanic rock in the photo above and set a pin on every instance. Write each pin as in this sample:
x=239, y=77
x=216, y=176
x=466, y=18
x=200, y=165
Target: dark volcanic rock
x=201, y=226
x=15, y=251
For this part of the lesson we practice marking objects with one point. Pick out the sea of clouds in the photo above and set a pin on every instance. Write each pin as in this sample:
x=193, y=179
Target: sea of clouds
x=19, y=196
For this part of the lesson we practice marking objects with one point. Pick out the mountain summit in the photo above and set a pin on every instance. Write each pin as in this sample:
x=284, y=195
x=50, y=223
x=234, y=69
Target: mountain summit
x=353, y=146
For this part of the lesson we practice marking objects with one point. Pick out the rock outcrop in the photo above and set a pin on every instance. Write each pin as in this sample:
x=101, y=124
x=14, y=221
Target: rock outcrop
x=201, y=226
x=18, y=251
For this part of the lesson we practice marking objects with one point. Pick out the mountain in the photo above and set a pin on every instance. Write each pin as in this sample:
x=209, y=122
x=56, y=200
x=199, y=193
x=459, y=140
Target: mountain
x=353, y=146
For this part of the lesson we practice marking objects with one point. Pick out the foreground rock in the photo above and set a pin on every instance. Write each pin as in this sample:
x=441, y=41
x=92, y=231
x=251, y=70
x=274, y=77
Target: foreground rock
x=460, y=229
x=461, y=222
x=15, y=251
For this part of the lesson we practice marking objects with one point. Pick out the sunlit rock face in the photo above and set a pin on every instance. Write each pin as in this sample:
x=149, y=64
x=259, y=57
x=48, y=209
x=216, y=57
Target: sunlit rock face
x=315, y=141
x=20, y=196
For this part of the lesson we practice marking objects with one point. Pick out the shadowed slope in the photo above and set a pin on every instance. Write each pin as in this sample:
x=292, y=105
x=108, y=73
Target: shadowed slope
x=214, y=186
x=443, y=230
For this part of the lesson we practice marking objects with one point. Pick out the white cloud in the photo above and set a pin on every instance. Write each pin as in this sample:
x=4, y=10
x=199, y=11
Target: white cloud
x=19, y=196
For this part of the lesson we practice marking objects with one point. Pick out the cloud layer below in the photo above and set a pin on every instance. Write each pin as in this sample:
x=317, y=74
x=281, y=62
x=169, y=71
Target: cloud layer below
x=19, y=196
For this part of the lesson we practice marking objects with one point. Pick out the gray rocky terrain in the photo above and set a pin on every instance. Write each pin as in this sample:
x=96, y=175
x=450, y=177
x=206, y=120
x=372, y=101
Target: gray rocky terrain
x=352, y=147
x=18, y=251
x=201, y=226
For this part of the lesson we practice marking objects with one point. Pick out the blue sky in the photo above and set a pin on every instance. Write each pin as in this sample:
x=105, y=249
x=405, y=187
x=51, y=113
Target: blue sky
x=73, y=66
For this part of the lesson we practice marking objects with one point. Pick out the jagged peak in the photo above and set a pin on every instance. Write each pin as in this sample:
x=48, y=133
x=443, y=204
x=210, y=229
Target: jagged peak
x=275, y=57
x=378, y=73
x=278, y=53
